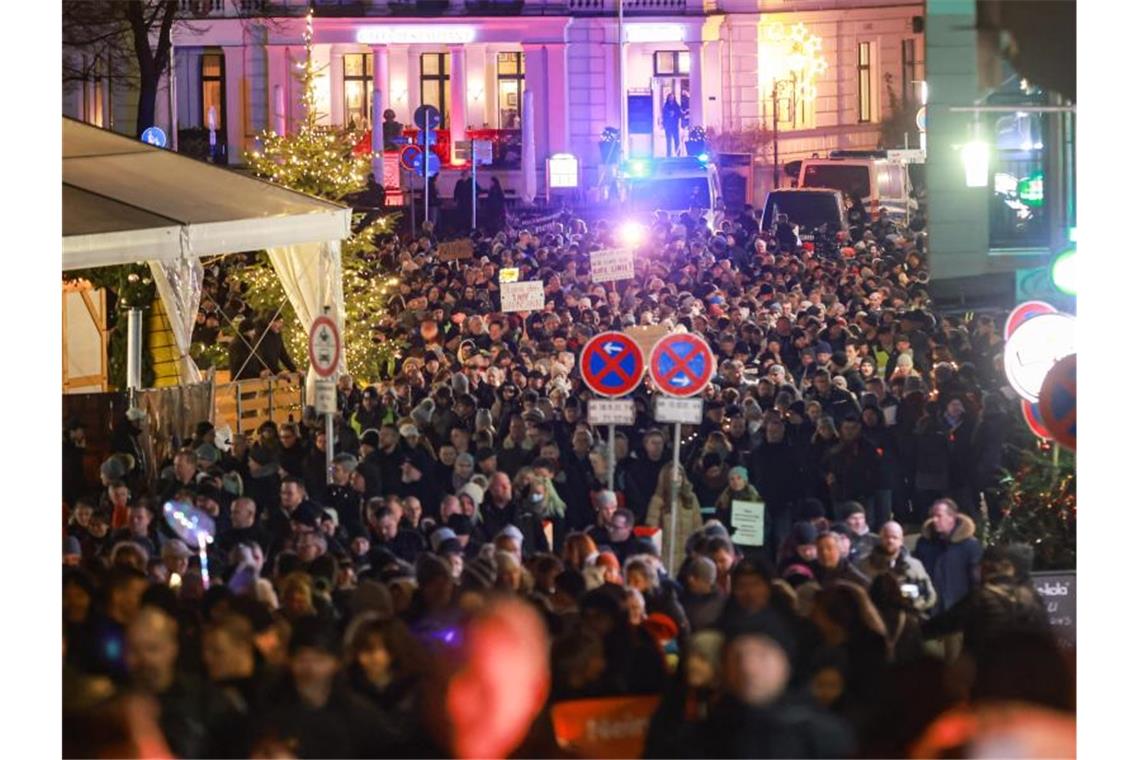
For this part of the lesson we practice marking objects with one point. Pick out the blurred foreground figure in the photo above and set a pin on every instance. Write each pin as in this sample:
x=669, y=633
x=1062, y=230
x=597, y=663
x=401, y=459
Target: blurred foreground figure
x=1000, y=730
x=500, y=682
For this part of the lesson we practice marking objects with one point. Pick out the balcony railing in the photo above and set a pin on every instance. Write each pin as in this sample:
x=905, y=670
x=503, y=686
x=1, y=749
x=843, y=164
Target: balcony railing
x=635, y=7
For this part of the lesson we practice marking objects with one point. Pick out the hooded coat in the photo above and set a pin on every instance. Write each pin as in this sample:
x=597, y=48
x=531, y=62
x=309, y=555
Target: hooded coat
x=952, y=561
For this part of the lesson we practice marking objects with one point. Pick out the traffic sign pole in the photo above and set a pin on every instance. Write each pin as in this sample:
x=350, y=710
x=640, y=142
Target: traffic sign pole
x=610, y=457
x=674, y=489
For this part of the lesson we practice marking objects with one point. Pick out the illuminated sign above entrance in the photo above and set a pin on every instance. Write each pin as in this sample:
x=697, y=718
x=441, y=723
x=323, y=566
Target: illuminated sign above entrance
x=415, y=34
x=654, y=33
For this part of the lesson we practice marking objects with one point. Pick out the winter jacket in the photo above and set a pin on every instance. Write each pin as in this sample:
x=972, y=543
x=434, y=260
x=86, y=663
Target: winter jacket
x=952, y=562
x=907, y=570
x=778, y=473
x=1000, y=605
x=788, y=728
x=689, y=520
x=857, y=468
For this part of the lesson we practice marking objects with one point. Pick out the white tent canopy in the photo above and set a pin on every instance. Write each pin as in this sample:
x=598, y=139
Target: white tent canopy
x=126, y=201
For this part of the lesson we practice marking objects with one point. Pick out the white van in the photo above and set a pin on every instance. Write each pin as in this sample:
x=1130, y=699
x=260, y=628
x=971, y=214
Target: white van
x=670, y=184
x=877, y=182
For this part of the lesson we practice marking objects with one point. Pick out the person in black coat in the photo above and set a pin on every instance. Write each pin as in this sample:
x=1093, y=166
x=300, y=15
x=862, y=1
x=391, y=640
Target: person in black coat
x=775, y=467
x=74, y=446
x=642, y=473
x=272, y=351
x=313, y=712
x=244, y=363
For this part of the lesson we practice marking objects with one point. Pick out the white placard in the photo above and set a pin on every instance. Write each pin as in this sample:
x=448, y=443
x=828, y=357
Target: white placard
x=685, y=411
x=326, y=397
x=523, y=296
x=748, y=523
x=611, y=264
x=481, y=152
x=617, y=411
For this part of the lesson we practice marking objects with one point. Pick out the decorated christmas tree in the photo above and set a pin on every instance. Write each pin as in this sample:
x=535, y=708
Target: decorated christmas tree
x=1038, y=506
x=320, y=161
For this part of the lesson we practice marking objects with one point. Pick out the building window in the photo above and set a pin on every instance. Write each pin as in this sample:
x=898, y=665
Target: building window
x=511, y=72
x=1019, y=203
x=908, y=72
x=214, y=90
x=358, y=90
x=864, y=81
x=435, y=81
x=671, y=63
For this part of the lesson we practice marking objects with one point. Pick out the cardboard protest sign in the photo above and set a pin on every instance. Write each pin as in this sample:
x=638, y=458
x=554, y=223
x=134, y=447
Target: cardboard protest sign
x=456, y=250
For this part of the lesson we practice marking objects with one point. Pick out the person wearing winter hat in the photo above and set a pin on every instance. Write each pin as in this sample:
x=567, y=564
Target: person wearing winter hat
x=800, y=546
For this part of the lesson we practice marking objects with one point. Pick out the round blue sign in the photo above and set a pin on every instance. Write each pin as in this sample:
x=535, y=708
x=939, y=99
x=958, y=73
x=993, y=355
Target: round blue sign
x=432, y=164
x=154, y=136
x=427, y=117
x=611, y=364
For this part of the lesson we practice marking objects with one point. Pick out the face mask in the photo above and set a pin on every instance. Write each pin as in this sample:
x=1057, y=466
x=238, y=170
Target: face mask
x=536, y=497
x=753, y=426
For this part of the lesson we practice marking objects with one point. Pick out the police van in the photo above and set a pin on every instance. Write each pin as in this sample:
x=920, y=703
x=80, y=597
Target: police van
x=877, y=180
x=670, y=184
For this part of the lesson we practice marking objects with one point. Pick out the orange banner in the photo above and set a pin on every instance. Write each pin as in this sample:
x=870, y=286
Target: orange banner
x=613, y=727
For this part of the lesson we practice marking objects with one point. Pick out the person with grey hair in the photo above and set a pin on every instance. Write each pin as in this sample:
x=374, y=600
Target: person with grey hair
x=701, y=599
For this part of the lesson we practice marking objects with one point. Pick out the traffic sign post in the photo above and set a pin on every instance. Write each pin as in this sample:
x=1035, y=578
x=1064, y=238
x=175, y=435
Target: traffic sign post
x=324, y=358
x=612, y=364
x=681, y=365
x=610, y=412
x=427, y=118
x=1058, y=402
x=1023, y=312
x=1033, y=420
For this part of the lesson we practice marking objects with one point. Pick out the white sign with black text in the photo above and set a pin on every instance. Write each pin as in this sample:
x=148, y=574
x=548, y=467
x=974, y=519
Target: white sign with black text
x=684, y=411
x=523, y=296
x=615, y=411
x=611, y=264
x=326, y=397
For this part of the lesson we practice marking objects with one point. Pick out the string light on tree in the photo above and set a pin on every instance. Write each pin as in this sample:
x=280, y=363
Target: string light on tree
x=321, y=161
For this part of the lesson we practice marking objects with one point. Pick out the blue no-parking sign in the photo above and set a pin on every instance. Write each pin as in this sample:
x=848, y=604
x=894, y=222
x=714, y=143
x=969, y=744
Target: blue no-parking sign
x=611, y=364
x=681, y=364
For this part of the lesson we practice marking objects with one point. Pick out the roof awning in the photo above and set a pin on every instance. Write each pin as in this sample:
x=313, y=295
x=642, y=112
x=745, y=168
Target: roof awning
x=126, y=201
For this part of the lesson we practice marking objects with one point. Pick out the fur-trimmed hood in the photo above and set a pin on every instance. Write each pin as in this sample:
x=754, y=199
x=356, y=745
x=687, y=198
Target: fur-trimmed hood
x=964, y=529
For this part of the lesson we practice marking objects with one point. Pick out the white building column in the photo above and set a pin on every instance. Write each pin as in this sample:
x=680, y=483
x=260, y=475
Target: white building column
x=557, y=99
x=414, y=74
x=478, y=109
x=337, y=116
x=711, y=85
x=696, y=85
x=235, y=102
x=379, y=103
x=458, y=85
x=277, y=72
x=536, y=83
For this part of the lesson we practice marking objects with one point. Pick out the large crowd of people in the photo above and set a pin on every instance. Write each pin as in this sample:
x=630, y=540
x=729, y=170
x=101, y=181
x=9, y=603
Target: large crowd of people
x=465, y=566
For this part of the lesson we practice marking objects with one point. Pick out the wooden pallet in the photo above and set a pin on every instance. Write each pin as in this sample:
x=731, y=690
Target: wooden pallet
x=246, y=404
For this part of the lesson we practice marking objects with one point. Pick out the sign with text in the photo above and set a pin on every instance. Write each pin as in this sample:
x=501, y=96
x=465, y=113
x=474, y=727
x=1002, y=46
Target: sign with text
x=611, y=264
x=684, y=411
x=609, y=727
x=522, y=296
x=509, y=274
x=456, y=250
x=1058, y=590
x=646, y=336
x=748, y=523
x=618, y=411
x=326, y=397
